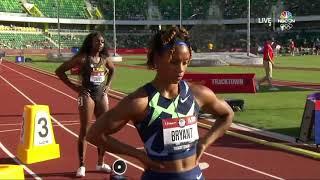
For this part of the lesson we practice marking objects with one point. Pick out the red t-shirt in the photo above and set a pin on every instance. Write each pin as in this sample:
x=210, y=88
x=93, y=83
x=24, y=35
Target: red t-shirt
x=291, y=44
x=267, y=52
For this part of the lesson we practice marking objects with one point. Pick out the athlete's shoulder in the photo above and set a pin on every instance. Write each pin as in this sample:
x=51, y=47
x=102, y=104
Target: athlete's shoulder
x=79, y=58
x=136, y=98
x=135, y=104
x=202, y=93
x=138, y=94
x=198, y=88
x=106, y=59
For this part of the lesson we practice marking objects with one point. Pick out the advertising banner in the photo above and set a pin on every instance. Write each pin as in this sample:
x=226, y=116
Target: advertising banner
x=224, y=83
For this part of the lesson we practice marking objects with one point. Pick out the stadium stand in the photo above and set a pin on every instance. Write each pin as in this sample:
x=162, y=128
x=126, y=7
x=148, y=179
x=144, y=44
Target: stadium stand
x=226, y=37
x=25, y=40
x=238, y=8
x=125, y=40
x=125, y=10
x=170, y=9
x=68, y=40
x=12, y=6
x=302, y=8
x=68, y=9
x=17, y=28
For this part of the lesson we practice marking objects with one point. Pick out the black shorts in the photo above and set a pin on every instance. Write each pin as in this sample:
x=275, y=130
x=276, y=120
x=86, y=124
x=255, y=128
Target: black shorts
x=96, y=93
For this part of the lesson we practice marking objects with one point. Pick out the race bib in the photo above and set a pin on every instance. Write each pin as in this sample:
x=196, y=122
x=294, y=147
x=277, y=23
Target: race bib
x=179, y=133
x=97, y=77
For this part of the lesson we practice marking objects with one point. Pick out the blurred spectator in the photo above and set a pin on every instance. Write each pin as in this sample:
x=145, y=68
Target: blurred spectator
x=277, y=49
x=2, y=55
x=317, y=46
x=291, y=47
x=210, y=46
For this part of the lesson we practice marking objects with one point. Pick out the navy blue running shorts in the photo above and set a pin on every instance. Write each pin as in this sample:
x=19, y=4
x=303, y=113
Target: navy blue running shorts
x=193, y=174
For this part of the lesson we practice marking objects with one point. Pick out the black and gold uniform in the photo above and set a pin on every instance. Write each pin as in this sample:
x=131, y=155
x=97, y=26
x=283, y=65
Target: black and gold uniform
x=93, y=78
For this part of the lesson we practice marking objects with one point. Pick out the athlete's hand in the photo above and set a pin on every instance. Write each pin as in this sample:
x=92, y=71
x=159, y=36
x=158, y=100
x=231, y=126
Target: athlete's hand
x=148, y=163
x=106, y=89
x=82, y=90
x=201, y=147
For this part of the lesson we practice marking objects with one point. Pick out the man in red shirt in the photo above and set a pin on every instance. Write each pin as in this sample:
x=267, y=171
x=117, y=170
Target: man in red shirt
x=291, y=47
x=268, y=61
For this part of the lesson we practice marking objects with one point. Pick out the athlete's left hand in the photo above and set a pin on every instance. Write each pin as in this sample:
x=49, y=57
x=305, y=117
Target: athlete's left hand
x=106, y=90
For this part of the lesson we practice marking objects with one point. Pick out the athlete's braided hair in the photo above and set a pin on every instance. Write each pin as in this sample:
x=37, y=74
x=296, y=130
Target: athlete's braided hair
x=165, y=40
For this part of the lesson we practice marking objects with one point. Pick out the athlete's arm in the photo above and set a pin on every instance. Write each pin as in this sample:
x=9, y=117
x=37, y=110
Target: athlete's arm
x=132, y=107
x=209, y=103
x=66, y=66
x=111, y=68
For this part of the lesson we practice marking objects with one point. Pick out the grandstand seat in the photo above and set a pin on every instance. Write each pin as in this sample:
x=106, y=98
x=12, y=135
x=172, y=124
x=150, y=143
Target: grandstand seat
x=68, y=8
x=12, y=6
x=125, y=10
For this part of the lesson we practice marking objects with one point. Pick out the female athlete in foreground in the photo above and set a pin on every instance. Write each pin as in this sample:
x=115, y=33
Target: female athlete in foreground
x=165, y=113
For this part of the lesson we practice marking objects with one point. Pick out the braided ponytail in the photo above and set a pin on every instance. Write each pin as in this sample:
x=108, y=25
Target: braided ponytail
x=165, y=41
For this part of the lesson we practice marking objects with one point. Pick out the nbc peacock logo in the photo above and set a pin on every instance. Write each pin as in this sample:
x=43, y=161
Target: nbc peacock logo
x=286, y=17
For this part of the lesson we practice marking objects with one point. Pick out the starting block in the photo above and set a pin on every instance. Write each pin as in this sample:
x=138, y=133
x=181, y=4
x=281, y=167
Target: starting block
x=37, y=142
x=9, y=171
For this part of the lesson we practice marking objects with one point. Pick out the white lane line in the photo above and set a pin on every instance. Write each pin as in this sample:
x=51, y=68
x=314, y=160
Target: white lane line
x=246, y=167
x=18, y=162
x=66, y=124
x=111, y=154
x=55, y=125
x=69, y=121
x=17, y=89
x=65, y=128
x=19, y=124
x=41, y=83
x=9, y=130
x=243, y=166
x=11, y=124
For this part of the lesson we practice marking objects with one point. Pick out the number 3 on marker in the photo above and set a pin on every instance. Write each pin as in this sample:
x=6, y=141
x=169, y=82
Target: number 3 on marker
x=44, y=126
x=42, y=133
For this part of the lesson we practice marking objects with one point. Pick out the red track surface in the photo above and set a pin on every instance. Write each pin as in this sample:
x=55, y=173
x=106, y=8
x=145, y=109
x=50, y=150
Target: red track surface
x=229, y=157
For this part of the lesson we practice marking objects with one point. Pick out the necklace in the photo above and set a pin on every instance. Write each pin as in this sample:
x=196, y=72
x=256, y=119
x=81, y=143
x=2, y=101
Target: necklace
x=175, y=106
x=94, y=59
x=181, y=121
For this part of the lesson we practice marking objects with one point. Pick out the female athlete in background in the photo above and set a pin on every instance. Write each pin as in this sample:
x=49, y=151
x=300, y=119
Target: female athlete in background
x=94, y=64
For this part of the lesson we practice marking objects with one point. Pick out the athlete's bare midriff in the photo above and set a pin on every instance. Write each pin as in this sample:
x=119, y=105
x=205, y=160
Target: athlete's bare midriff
x=179, y=165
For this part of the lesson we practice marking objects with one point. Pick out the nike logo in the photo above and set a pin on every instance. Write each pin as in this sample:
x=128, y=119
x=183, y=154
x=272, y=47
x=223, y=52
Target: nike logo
x=184, y=100
x=199, y=177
